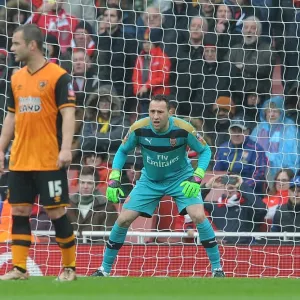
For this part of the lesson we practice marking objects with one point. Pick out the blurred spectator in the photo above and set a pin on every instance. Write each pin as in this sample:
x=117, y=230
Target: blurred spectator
x=85, y=80
x=151, y=74
x=176, y=24
x=240, y=155
x=132, y=174
x=237, y=210
x=105, y=124
x=253, y=58
x=83, y=10
x=5, y=73
x=89, y=210
x=252, y=104
x=13, y=14
x=217, y=78
x=243, y=9
x=224, y=110
x=278, y=136
x=128, y=15
x=84, y=84
x=186, y=79
x=225, y=28
x=101, y=165
x=83, y=38
x=206, y=9
x=101, y=25
x=53, y=19
x=279, y=193
x=151, y=18
x=116, y=54
x=52, y=49
x=287, y=216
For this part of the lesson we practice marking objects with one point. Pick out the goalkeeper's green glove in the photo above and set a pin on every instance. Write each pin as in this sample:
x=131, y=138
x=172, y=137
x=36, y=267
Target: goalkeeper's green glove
x=114, y=187
x=191, y=186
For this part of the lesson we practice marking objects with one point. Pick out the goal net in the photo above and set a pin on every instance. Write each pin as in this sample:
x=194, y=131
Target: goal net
x=230, y=69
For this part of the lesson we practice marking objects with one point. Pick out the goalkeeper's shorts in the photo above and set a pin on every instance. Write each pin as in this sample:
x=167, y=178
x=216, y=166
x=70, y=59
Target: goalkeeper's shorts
x=146, y=194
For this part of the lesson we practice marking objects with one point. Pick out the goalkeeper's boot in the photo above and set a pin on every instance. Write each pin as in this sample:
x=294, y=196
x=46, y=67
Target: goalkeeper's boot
x=68, y=274
x=15, y=274
x=100, y=273
x=218, y=273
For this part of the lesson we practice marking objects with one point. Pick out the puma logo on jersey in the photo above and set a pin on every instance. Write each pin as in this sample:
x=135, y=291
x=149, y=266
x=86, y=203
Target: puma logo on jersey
x=148, y=140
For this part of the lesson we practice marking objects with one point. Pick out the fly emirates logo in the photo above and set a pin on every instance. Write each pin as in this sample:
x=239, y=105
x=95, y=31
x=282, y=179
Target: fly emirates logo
x=162, y=161
x=30, y=104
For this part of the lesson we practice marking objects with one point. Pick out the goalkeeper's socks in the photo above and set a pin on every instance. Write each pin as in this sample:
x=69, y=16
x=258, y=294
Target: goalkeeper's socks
x=113, y=245
x=208, y=241
x=21, y=241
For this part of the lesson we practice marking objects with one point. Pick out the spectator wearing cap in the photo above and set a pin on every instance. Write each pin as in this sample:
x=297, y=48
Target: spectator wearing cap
x=217, y=78
x=223, y=110
x=83, y=38
x=278, y=136
x=254, y=58
x=287, y=216
x=186, y=77
x=240, y=155
x=53, y=19
x=151, y=75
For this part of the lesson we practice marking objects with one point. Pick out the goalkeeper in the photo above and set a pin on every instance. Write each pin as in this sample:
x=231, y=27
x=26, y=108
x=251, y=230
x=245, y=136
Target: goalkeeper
x=167, y=171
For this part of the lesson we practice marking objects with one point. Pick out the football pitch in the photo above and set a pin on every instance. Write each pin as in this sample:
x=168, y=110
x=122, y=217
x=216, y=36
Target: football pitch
x=125, y=288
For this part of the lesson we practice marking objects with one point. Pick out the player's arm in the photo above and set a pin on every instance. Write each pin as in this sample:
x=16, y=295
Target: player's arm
x=114, y=184
x=191, y=187
x=8, y=127
x=65, y=101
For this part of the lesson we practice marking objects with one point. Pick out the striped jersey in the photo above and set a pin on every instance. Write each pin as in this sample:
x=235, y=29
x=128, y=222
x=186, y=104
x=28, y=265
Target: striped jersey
x=164, y=154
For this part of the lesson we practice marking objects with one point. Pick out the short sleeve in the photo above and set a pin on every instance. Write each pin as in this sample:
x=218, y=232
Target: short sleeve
x=64, y=92
x=10, y=102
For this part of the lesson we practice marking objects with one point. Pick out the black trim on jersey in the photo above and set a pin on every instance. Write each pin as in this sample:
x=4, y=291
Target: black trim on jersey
x=176, y=133
x=10, y=102
x=161, y=149
x=62, y=91
x=42, y=67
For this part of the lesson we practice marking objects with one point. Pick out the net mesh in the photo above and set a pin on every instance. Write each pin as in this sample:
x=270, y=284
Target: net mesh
x=231, y=69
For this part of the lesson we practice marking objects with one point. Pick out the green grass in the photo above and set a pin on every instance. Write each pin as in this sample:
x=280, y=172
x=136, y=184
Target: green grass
x=46, y=288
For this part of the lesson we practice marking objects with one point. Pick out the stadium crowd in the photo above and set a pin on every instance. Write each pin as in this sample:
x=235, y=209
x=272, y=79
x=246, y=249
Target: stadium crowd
x=230, y=67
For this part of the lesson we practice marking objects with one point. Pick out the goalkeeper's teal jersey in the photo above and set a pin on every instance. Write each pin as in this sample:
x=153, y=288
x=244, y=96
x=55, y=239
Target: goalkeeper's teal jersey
x=164, y=154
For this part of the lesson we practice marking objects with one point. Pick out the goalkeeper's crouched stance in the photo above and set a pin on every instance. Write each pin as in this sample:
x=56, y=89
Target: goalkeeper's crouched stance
x=167, y=171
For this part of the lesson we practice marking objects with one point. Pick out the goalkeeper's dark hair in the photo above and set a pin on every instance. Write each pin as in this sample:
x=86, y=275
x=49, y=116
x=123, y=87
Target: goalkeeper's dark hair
x=88, y=170
x=32, y=33
x=161, y=97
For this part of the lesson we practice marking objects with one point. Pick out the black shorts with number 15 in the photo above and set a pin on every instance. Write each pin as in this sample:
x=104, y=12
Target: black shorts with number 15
x=52, y=186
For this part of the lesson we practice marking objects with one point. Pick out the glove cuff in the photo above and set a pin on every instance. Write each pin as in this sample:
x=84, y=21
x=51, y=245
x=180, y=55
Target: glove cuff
x=199, y=173
x=115, y=175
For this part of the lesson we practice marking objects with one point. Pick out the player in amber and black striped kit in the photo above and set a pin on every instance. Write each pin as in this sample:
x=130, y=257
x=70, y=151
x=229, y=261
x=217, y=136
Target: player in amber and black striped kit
x=41, y=119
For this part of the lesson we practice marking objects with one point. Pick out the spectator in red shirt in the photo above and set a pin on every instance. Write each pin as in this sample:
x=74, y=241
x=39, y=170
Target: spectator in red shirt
x=53, y=19
x=151, y=75
x=83, y=38
x=279, y=194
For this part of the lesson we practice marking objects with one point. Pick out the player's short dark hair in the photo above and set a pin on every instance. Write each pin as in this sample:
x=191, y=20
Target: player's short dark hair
x=86, y=171
x=161, y=97
x=32, y=33
x=117, y=8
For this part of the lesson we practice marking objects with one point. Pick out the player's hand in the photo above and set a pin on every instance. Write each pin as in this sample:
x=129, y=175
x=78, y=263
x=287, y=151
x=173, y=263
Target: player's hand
x=64, y=158
x=114, y=190
x=191, y=186
x=2, y=158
